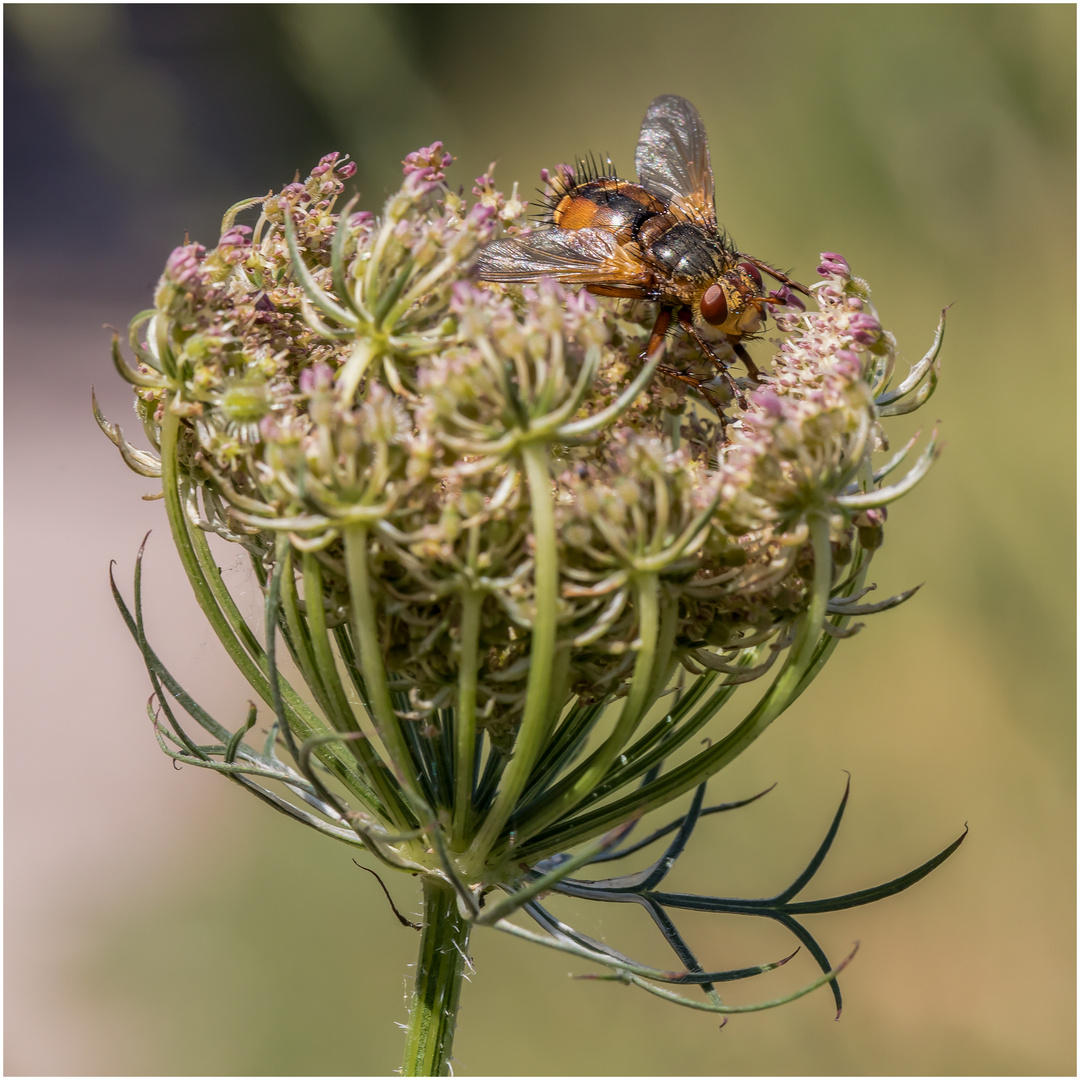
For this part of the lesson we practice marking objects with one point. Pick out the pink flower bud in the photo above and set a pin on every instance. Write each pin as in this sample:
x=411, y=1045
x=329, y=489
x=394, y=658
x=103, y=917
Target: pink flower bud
x=833, y=265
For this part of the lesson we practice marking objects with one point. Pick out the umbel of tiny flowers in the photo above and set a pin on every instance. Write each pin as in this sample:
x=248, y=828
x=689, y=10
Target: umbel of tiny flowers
x=517, y=570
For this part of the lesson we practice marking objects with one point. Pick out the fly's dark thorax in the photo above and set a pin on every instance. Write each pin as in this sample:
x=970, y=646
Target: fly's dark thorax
x=683, y=253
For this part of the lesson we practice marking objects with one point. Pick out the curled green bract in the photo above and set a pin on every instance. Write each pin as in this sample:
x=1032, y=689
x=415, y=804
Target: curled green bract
x=518, y=571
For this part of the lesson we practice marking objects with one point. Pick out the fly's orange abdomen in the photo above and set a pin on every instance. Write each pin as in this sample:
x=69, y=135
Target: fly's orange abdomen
x=606, y=203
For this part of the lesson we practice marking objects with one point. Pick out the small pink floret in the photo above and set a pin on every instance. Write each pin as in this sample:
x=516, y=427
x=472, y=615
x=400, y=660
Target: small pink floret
x=834, y=265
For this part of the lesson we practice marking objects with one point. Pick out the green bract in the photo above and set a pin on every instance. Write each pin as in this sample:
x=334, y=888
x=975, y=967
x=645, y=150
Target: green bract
x=492, y=541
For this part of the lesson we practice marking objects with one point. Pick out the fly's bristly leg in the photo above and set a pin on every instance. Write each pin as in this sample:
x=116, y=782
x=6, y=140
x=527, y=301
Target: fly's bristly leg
x=687, y=323
x=779, y=275
x=659, y=332
x=744, y=356
x=698, y=385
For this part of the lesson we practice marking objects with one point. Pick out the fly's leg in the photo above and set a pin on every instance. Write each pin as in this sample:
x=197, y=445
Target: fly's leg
x=698, y=385
x=778, y=274
x=687, y=323
x=744, y=356
x=659, y=332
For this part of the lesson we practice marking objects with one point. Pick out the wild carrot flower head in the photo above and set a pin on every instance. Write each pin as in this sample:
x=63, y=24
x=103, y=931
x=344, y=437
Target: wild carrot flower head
x=492, y=538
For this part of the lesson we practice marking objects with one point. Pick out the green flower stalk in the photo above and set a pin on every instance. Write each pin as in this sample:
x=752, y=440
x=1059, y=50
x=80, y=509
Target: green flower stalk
x=518, y=570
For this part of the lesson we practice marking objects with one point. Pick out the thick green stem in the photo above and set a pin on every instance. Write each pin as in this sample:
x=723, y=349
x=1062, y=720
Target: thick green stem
x=437, y=992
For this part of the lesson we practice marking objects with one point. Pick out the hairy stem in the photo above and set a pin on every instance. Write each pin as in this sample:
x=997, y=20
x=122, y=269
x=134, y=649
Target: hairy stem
x=437, y=991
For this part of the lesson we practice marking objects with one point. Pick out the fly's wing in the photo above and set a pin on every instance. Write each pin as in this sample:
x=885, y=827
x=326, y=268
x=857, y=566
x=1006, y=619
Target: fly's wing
x=572, y=256
x=672, y=158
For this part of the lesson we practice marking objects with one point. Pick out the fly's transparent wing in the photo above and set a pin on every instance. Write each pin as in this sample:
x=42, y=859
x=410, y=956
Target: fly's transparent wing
x=572, y=256
x=672, y=158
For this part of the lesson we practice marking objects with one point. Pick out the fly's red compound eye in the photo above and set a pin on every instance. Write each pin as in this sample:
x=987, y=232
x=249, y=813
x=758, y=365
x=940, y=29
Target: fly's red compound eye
x=714, y=309
x=752, y=270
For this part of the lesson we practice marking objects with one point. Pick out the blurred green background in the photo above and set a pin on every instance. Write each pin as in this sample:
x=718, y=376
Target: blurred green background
x=161, y=922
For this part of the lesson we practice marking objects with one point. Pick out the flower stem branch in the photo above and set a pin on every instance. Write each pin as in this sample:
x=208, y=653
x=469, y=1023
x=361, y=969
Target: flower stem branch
x=793, y=677
x=537, y=716
x=340, y=711
x=371, y=663
x=465, y=731
x=569, y=793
